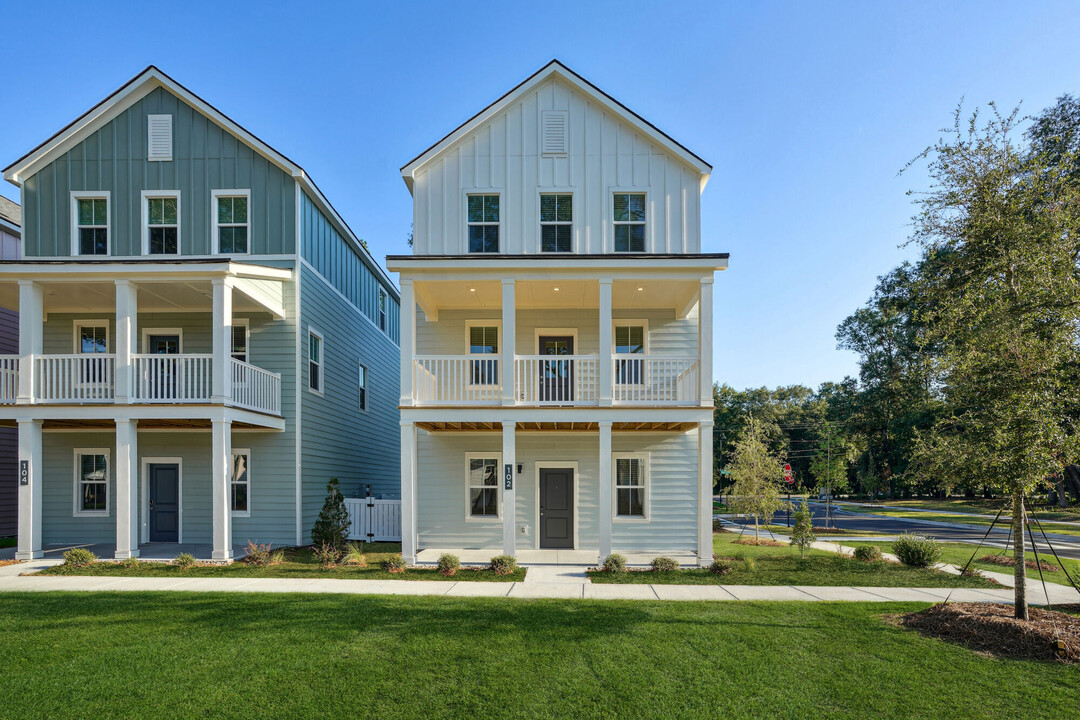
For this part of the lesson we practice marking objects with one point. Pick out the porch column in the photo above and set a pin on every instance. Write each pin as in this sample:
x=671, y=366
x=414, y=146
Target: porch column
x=605, y=489
x=127, y=308
x=408, y=340
x=127, y=488
x=509, y=341
x=221, y=459
x=705, y=342
x=29, y=544
x=221, y=384
x=509, y=493
x=605, y=375
x=705, y=486
x=31, y=312
x=408, y=492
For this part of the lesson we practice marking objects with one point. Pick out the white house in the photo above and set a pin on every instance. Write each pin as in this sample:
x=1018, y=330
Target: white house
x=556, y=335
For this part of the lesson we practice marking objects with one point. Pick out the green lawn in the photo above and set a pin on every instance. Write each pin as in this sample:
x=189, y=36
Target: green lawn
x=300, y=563
x=1003, y=522
x=782, y=566
x=121, y=655
x=785, y=530
x=989, y=507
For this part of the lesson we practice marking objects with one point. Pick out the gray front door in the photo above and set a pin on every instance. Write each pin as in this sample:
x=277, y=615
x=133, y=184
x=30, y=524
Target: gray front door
x=556, y=508
x=164, y=483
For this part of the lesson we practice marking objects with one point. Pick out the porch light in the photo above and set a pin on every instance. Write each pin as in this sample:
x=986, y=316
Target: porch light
x=556, y=289
x=472, y=289
x=640, y=289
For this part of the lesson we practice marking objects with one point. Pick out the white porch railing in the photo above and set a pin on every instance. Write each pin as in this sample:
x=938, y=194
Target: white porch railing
x=373, y=520
x=456, y=379
x=76, y=378
x=654, y=380
x=254, y=388
x=556, y=379
x=171, y=378
x=9, y=379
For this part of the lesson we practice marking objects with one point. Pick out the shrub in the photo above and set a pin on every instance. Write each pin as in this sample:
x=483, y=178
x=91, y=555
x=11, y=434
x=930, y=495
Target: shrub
x=802, y=534
x=449, y=564
x=129, y=563
x=665, y=564
x=868, y=553
x=332, y=527
x=394, y=564
x=614, y=563
x=504, y=564
x=720, y=566
x=748, y=563
x=79, y=557
x=277, y=557
x=256, y=554
x=718, y=526
x=184, y=561
x=326, y=554
x=354, y=555
x=916, y=550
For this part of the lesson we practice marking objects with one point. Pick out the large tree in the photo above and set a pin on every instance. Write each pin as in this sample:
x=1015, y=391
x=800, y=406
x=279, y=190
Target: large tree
x=999, y=227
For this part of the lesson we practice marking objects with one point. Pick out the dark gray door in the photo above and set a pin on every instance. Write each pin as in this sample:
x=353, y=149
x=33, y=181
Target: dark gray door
x=164, y=485
x=556, y=508
x=556, y=373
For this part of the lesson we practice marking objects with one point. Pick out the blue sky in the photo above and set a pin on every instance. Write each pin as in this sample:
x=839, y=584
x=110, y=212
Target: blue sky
x=806, y=111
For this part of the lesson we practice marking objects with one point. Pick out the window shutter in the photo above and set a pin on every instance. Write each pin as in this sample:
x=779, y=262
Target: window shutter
x=159, y=137
x=554, y=130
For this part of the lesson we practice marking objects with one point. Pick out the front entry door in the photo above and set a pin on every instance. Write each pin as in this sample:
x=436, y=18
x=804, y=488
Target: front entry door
x=557, y=373
x=557, y=508
x=164, y=483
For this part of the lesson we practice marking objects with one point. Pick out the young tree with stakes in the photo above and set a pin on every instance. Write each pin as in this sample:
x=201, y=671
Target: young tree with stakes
x=757, y=474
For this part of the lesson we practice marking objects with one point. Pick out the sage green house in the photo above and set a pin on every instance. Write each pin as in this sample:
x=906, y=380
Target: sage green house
x=203, y=341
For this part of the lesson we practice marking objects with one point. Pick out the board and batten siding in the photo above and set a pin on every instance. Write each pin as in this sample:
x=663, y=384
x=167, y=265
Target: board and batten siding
x=606, y=154
x=114, y=158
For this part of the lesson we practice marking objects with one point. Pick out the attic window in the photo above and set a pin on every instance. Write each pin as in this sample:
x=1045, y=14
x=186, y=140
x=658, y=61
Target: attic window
x=159, y=137
x=554, y=132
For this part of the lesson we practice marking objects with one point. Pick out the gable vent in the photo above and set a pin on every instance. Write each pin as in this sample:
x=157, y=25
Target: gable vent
x=554, y=131
x=159, y=137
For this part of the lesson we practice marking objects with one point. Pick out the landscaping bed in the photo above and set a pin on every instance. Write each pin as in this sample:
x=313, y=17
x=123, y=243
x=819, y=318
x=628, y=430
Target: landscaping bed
x=959, y=553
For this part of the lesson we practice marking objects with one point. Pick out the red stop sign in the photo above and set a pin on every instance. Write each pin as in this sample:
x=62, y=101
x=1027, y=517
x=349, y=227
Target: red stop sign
x=787, y=474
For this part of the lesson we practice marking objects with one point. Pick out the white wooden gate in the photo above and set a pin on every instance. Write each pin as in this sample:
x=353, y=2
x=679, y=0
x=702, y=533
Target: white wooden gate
x=374, y=520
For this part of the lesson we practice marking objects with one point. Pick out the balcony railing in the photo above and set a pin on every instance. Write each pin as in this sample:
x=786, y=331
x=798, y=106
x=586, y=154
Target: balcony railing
x=9, y=378
x=172, y=378
x=654, y=380
x=556, y=379
x=457, y=379
x=254, y=388
x=80, y=378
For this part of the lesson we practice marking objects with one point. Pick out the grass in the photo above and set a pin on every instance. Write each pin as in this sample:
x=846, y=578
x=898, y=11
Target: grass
x=1003, y=522
x=121, y=655
x=988, y=507
x=782, y=566
x=299, y=563
x=785, y=530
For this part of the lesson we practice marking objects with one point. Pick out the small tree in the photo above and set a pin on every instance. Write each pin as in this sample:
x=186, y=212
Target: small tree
x=757, y=474
x=802, y=535
x=332, y=527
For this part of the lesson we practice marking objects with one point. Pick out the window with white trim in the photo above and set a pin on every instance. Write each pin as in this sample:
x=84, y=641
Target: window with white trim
x=239, y=346
x=240, y=483
x=483, y=486
x=231, y=226
x=382, y=311
x=629, y=340
x=363, y=388
x=484, y=340
x=91, y=482
x=92, y=225
x=162, y=225
x=92, y=340
x=483, y=220
x=629, y=222
x=556, y=222
x=315, y=355
x=630, y=487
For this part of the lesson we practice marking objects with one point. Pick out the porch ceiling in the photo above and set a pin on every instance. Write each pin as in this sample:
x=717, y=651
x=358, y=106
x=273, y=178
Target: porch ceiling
x=557, y=426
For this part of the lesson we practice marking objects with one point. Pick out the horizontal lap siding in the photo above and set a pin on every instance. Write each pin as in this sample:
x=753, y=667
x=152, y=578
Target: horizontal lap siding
x=672, y=489
x=441, y=491
x=9, y=437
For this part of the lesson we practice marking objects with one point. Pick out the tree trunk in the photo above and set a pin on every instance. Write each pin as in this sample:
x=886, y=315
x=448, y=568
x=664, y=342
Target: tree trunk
x=1019, y=568
x=1063, y=501
x=755, y=530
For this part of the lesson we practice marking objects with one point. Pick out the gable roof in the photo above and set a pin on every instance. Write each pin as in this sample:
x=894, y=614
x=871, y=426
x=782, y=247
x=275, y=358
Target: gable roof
x=10, y=212
x=557, y=69
x=137, y=88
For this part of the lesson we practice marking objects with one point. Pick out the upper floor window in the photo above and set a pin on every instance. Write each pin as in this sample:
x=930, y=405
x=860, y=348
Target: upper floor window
x=484, y=340
x=231, y=226
x=363, y=388
x=161, y=218
x=315, y=376
x=382, y=311
x=629, y=340
x=629, y=222
x=91, y=215
x=239, y=349
x=483, y=214
x=556, y=222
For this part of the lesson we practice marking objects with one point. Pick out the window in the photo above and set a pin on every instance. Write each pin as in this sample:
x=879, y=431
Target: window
x=315, y=379
x=556, y=222
x=231, y=221
x=161, y=217
x=382, y=311
x=484, y=340
x=91, y=482
x=483, y=486
x=240, y=483
x=92, y=339
x=91, y=232
x=630, y=487
x=239, y=346
x=629, y=340
x=363, y=388
x=629, y=222
x=483, y=214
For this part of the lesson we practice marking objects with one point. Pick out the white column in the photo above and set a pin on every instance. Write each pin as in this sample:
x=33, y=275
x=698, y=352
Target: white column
x=509, y=502
x=408, y=340
x=408, y=492
x=606, y=345
x=127, y=489
x=221, y=459
x=221, y=386
x=31, y=312
x=705, y=486
x=509, y=341
x=605, y=489
x=29, y=544
x=127, y=309
x=705, y=341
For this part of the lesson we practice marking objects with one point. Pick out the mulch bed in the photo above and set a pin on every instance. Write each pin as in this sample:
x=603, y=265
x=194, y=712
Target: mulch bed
x=4, y=563
x=991, y=628
x=1031, y=564
x=829, y=531
x=762, y=542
